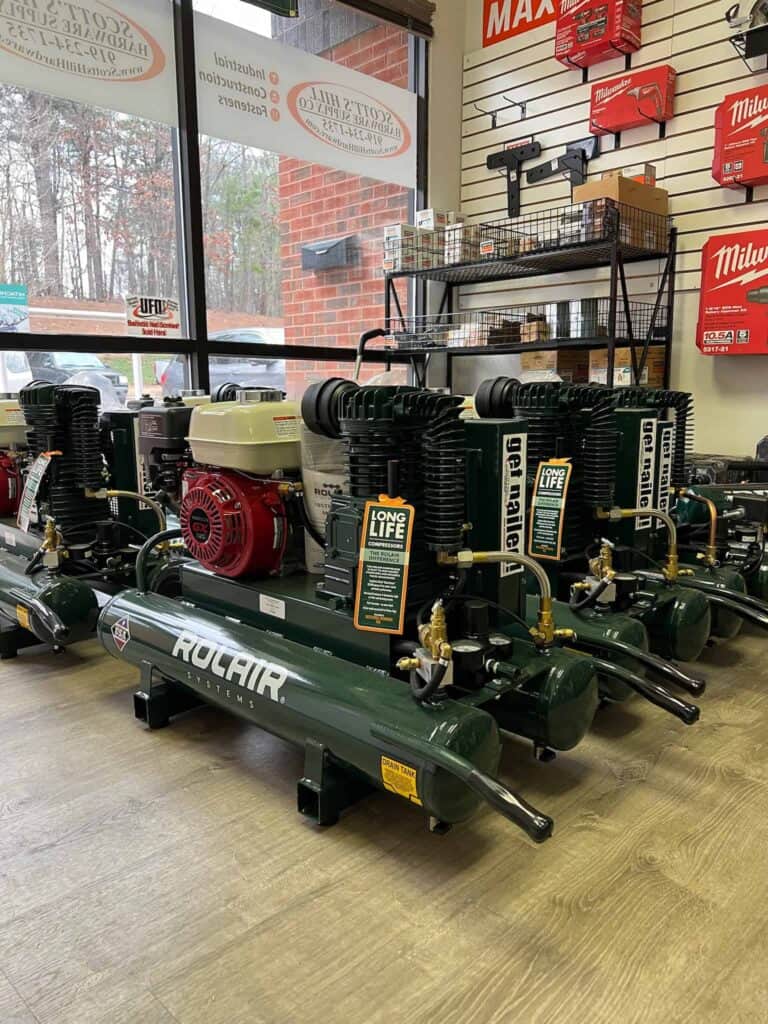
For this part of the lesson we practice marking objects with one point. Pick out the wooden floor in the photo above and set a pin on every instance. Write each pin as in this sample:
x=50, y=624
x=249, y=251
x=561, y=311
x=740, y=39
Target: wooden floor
x=165, y=877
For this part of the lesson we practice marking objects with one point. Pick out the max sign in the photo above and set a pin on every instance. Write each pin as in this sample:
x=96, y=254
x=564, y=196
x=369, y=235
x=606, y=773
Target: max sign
x=503, y=19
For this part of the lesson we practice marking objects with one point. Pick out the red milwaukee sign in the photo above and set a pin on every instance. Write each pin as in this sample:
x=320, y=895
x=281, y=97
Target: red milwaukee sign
x=637, y=98
x=741, y=139
x=503, y=19
x=733, y=310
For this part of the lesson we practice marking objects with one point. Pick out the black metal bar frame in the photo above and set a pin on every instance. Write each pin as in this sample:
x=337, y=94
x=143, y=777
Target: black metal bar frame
x=616, y=261
x=199, y=347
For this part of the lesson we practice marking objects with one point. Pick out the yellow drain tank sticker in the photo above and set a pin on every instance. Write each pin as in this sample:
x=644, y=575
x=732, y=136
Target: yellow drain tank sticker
x=400, y=778
x=22, y=614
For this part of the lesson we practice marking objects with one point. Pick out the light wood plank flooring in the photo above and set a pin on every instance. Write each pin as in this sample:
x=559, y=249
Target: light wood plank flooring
x=166, y=877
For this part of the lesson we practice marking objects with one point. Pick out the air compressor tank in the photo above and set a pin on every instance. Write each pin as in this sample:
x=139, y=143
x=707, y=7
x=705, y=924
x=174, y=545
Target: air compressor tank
x=599, y=625
x=678, y=620
x=368, y=723
x=57, y=610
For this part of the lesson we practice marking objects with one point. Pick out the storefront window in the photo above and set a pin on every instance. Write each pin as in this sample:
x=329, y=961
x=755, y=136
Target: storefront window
x=122, y=376
x=293, y=239
x=87, y=192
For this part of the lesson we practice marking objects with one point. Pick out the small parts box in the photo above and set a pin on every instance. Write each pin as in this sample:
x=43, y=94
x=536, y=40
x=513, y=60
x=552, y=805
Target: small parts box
x=590, y=31
x=634, y=99
x=733, y=308
x=741, y=139
x=642, y=211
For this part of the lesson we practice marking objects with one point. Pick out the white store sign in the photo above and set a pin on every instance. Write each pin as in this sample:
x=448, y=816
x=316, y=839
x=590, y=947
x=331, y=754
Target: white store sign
x=118, y=56
x=261, y=93
x=252, y=90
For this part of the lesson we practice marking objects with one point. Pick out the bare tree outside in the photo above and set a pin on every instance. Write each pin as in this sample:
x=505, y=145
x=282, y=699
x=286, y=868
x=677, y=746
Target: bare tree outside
x=87, y=208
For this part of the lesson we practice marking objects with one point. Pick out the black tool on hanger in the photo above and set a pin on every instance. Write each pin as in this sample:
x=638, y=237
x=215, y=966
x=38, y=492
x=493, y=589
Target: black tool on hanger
x=572, y=164
x=511, y=160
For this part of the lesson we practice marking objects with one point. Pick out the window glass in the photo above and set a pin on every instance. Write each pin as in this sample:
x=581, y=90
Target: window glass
x=87, y=193
x=292, y=243
x=125, y=376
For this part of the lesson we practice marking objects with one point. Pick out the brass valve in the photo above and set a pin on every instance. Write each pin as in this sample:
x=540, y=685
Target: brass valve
x=52, y=538
x=433, y=635
x=544, y=632
x=409, y=664
x=601, y=567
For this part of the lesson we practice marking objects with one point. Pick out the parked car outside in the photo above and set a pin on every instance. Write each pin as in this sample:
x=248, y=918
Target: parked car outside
x=248, y=370
x=17, y=372
x=58, y=367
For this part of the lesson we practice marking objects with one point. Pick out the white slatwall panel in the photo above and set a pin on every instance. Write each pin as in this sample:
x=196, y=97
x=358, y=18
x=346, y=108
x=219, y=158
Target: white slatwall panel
x=688, y=34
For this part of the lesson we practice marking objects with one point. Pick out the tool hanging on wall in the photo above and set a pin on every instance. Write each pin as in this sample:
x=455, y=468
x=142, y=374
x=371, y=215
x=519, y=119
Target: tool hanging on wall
x=750, y=37
x=572, y=164
x=511, y=160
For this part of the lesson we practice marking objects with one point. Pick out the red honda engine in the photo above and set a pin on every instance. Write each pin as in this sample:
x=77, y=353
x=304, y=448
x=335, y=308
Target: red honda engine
x=10, y=485
x=232, y=524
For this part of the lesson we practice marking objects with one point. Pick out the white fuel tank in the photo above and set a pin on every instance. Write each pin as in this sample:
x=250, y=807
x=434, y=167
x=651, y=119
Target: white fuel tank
x=258, y=433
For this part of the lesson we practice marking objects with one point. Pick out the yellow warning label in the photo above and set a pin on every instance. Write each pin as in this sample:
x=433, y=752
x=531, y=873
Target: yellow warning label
x=400, y=778
x=22, y=614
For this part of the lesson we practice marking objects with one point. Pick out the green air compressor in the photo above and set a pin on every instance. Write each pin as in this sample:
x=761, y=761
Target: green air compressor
x=403, y=661
x=80, y=517
x=610, y=460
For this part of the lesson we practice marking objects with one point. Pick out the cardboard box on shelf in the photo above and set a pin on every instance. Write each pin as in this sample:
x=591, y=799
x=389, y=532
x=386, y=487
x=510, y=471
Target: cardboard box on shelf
x=535, y=330
x=462, y=243
x=570, y=364
x=653, y=375
x=645, y=174
x=431, y=220
x=643, y=211
x=399, y=233
x=589, y=31
x=407, y=256
x=624, y=190
x=636, y=98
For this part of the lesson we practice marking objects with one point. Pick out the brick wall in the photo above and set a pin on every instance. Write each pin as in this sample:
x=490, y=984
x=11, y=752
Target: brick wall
x=334, y=307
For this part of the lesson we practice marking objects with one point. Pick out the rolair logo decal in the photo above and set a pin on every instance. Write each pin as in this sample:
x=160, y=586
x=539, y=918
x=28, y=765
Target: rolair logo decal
x=121, y=632
x=250, y=673
x=91, y=39
x=513, y=500
x=349, y=120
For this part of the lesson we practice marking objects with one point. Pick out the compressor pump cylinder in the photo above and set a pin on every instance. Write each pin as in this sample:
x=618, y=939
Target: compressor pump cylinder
x=440, y=757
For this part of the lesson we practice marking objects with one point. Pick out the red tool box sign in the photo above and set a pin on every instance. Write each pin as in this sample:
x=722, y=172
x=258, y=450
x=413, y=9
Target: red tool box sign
x=634, y=99
x=741, y=139
x=503, y=19
x=733, y=310
x=589, y=31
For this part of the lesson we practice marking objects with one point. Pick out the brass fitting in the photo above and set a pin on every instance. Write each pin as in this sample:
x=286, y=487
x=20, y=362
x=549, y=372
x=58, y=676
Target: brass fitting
x=710, y=551
x=290, y=487
x=409, y=664
x=544, y=632
x=602, y=566
x=671, y=569
x=52, y=537
x=433, y=635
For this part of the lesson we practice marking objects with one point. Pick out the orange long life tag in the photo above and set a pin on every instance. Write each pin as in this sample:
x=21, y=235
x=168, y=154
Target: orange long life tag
x=382, y=570
x=545, y=534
